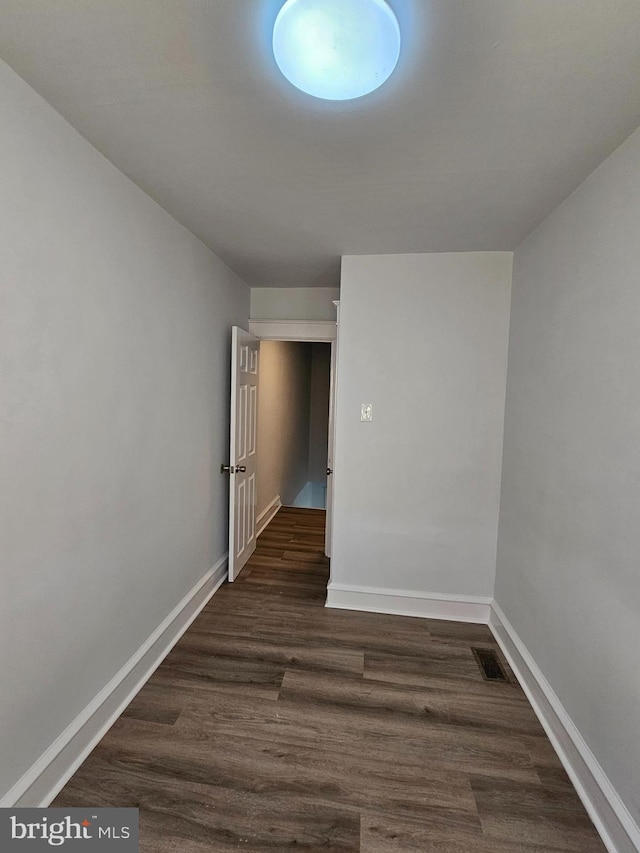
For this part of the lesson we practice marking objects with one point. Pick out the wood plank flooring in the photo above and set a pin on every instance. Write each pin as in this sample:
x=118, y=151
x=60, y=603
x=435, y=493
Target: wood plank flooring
x=276, y=724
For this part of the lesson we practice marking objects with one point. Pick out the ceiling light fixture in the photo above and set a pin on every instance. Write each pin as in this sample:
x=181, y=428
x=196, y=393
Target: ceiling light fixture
x=336, y=49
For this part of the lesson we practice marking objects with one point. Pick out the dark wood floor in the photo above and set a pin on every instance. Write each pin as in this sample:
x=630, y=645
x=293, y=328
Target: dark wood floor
x=276, y=724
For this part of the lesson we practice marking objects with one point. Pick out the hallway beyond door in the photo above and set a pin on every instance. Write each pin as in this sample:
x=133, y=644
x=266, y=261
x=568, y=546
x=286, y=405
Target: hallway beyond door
x=289, y=557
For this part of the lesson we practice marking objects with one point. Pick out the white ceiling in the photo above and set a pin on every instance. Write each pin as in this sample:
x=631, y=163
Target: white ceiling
x=498, y=110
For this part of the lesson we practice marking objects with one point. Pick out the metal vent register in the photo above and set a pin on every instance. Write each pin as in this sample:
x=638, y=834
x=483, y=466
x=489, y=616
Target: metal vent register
x=490, y=665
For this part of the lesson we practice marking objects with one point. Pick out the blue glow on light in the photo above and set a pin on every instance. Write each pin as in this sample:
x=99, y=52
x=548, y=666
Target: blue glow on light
x=336, y=49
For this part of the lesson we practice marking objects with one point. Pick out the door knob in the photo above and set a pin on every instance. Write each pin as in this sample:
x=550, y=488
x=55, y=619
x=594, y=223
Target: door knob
x=329, y=472
x=241, y=469
x=226, y=469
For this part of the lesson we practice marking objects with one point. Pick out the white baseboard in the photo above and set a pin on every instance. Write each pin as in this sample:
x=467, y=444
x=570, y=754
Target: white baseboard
x=51, y=772
x=401, y=602
x=617, y=828
x=267, y=515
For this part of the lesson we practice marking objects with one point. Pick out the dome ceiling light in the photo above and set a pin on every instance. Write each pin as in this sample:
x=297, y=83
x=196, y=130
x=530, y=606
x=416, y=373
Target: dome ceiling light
x=336, y=49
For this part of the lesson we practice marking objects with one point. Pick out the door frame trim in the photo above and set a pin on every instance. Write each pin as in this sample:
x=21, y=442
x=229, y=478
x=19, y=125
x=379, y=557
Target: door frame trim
x=306, y=331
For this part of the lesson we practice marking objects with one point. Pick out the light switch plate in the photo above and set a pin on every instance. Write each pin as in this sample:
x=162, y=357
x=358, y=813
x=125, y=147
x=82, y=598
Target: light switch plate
x=366, y=412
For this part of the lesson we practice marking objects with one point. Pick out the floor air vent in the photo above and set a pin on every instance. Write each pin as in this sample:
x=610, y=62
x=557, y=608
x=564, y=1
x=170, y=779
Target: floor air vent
x=490, y=666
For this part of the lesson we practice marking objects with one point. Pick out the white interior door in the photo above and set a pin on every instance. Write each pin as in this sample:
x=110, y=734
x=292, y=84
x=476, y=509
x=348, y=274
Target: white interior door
x=328, y=531
x=242, y=469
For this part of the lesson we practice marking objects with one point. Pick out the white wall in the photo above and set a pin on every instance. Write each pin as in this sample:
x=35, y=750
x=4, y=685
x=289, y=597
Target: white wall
x=283, y=421
x=114, y=366
x=294, y=303
x=569, y=544
x=424, y=339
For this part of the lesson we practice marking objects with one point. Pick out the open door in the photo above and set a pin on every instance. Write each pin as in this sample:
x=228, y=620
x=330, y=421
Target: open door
x=242, y=467
x=333, y=390
x=329, y=502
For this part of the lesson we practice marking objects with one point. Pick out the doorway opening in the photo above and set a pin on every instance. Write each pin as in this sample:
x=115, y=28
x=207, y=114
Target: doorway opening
x=293, y=426
x=251, y=510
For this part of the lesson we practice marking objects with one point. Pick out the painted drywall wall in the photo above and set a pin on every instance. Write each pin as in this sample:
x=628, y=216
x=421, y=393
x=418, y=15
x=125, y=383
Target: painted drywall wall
x=114, y=368
x=319, y=412
x=283, y=421
x=569, y=539
x=423, y=338
x=294, y=303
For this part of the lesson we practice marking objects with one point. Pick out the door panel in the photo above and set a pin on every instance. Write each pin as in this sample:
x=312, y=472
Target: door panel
x=244, y=415
x=333, y=390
